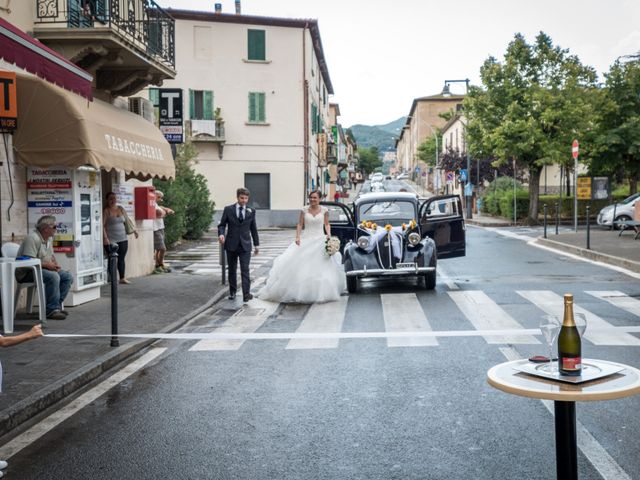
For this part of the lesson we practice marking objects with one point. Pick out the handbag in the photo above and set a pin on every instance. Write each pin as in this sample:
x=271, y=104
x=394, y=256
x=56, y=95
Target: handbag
x=129, y=227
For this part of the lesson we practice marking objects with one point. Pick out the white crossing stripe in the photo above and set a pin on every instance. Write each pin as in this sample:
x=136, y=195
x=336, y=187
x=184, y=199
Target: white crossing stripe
x=402, y=313
x=553, y=304
x=485, y=314
x=619, y=299
x=321, y=317
x=246, y=320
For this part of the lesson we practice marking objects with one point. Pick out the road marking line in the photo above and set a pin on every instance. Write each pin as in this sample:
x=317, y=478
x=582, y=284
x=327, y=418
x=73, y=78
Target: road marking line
x=596, y=332
x=618, y=299
x=604, y=463
x=446, y=278
x=485, y=314
x=243, y=321
x=403, y=313
x=321, y=317
x=34, y=433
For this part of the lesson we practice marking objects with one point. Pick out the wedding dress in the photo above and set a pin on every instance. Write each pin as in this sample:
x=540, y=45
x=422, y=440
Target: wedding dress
x=305, y=273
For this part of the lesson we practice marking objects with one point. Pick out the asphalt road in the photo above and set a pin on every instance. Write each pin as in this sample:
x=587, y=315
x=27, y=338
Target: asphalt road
x=356, y=408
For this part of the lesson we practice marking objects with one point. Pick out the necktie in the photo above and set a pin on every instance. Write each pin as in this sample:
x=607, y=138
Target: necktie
x=241, y=214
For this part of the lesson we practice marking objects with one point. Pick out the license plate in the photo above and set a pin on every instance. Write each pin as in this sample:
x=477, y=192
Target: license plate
x=405, y=265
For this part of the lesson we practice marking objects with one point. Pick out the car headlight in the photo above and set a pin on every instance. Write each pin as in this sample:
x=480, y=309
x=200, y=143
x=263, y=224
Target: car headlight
x=414, y=239
x=363, y=242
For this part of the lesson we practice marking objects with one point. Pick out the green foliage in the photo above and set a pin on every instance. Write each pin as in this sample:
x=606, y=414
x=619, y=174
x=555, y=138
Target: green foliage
x=188, y=196
x=532, y=105
x=369, y=159
x=380, y=136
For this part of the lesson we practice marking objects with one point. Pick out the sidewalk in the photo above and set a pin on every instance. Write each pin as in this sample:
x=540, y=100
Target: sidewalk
x=43, y=371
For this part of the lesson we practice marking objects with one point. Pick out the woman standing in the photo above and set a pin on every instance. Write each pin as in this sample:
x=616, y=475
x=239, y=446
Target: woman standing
x=114, y=220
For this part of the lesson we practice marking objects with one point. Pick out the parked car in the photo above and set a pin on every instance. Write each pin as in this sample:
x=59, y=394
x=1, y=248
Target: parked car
x=376, y=177
x=623, y=211
x=397, y=234
x=402, y=176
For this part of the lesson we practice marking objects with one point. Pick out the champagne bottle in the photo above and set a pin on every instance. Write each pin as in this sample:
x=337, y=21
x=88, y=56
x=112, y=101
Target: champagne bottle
x=569, y=344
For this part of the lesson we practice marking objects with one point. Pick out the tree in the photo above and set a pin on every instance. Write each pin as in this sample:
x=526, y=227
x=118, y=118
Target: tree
x=532, y=105
x=618, y=139
x=188, y=195
x=427, y=149
x=369, y=159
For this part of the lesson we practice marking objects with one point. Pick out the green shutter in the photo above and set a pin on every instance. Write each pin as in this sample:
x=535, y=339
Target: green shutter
x=252, y=107
x=314, y=118
x=154, y=96
x=262, y=117
x=256, y=44
x=192, y=105
x=207, y=98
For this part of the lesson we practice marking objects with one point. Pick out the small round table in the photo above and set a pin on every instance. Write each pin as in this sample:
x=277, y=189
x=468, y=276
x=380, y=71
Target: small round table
x=622, y=384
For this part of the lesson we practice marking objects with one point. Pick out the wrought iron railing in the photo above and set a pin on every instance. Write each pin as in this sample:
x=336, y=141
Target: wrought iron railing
x=141, y=22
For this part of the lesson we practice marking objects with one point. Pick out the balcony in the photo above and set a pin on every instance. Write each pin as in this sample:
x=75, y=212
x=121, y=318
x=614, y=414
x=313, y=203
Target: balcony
x=125, y=44
x=206, y=131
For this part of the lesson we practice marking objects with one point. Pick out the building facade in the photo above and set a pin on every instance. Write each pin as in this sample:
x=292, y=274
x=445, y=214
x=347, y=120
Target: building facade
x=256, y=102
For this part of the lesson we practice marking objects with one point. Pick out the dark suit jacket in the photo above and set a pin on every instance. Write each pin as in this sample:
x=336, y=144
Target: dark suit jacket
x=238, y=234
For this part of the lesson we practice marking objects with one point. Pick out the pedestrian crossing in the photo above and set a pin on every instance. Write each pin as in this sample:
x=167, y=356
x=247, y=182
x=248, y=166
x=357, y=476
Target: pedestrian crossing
x=408, y=321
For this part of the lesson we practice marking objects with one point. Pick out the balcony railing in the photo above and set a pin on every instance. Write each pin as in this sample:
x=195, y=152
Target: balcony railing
x=142, y=23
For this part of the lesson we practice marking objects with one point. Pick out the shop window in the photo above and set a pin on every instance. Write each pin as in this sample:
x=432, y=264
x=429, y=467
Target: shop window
x=257, y=112
x=259, y=184
x=201, y=104
x=256, y=45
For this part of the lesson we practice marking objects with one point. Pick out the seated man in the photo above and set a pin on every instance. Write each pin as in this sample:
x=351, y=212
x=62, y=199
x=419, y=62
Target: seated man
x=57, y=282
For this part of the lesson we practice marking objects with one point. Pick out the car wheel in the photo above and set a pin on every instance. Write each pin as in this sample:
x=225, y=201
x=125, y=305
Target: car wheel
x=621, y=218
x=430, y=280
x=352, y=282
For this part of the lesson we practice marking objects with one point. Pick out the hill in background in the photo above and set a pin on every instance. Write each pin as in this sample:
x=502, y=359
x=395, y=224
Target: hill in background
x=381, y=136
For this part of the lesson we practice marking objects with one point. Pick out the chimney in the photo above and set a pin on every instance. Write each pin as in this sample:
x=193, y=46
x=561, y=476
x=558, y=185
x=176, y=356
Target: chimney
x=218, y=8
x=238, y=7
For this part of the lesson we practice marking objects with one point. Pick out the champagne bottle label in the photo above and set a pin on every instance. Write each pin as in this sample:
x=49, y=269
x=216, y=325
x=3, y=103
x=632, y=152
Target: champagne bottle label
x=571, y=364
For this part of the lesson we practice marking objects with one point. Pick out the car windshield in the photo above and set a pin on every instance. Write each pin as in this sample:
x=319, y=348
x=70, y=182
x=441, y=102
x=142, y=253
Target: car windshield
x=630, y=199
x=394, y=212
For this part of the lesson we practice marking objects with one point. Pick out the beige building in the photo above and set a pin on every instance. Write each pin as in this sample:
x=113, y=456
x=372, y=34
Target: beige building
x=256, y=104
x=423, y=120
x=72, y=143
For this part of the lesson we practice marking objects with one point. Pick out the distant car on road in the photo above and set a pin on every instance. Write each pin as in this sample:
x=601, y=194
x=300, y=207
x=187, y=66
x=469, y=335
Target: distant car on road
x=396, y=234
x=376, y=177
x=623, y=211
x=402, y=176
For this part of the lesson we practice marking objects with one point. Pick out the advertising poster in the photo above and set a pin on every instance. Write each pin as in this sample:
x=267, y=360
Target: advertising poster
x=124, y=198
x=49, y=193
x=584, y=188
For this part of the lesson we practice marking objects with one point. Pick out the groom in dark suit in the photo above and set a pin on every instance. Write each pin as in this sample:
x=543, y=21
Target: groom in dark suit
x=236, y=229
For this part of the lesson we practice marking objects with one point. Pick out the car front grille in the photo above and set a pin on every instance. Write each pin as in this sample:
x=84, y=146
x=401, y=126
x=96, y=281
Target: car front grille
x=384, y=251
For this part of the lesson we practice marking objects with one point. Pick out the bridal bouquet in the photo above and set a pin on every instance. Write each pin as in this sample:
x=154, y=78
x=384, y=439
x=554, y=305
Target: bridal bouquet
x=332, y=245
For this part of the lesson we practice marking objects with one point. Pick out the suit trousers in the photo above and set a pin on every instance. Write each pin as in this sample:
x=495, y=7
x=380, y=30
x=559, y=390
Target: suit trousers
x=245, y=258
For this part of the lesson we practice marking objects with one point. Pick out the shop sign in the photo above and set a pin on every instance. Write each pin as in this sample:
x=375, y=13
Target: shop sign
x=8, y=101
x=584, y=188
x=49, y=193
x=171, y=115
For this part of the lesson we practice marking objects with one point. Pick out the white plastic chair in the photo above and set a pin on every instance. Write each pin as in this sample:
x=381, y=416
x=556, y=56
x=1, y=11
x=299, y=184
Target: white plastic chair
x=10, y=250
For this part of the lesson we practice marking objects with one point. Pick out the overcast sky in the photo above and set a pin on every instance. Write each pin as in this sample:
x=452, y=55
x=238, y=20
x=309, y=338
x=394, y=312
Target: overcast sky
x=384, y=53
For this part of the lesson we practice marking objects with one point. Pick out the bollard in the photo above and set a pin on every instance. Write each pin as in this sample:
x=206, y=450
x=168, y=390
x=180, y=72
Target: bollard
x=557, y=217
x=588, y=230
x=113, y=272
x=545, y=219
x=223, y=263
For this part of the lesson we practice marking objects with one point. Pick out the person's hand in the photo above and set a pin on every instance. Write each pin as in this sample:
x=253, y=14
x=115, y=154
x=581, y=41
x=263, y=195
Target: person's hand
x=36, y=331
x=221, y=239
x=298, y=241
x=256, y=251
x=135, y=233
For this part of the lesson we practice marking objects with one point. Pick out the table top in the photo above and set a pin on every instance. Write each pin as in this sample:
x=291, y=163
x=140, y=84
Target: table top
x=623, y=384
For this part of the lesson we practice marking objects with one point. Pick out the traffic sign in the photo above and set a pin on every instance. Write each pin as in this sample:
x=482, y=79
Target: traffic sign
x=575, y=147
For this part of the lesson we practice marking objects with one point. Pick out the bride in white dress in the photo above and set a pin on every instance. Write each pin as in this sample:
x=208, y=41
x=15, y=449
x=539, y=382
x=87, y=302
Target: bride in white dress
x=304, y=273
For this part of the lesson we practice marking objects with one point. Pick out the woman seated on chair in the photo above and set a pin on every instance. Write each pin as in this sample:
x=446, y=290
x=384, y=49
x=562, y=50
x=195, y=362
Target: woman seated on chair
x=57, y=282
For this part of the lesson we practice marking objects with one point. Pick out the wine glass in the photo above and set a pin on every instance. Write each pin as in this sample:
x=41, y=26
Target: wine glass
x=581, y=322
x=550, y=327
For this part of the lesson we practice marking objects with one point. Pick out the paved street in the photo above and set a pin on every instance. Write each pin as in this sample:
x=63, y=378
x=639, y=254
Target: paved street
x=339, y=390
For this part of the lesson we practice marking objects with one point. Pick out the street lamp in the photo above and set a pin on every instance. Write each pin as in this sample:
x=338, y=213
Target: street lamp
x=446, y=92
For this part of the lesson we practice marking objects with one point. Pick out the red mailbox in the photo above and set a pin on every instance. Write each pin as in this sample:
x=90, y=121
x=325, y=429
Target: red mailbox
x=145, y=201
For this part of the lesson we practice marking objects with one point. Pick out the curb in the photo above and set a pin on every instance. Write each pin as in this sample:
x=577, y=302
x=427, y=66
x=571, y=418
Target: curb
x=489, y=223
x=590, y=254
x=25, y=409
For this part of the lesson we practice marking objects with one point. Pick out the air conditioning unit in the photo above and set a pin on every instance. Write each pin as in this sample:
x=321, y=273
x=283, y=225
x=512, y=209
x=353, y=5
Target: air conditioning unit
x=143, y=107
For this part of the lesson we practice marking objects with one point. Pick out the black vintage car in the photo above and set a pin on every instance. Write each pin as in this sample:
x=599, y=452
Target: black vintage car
x=397, y=234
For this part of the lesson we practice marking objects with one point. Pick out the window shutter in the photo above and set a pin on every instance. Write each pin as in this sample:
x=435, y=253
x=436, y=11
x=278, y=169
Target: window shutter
x=154, y=96
x=256, y=44
x=262, y=117
x=192, y=104
x=314, y=118
x=252, y=107
x=207, y=99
